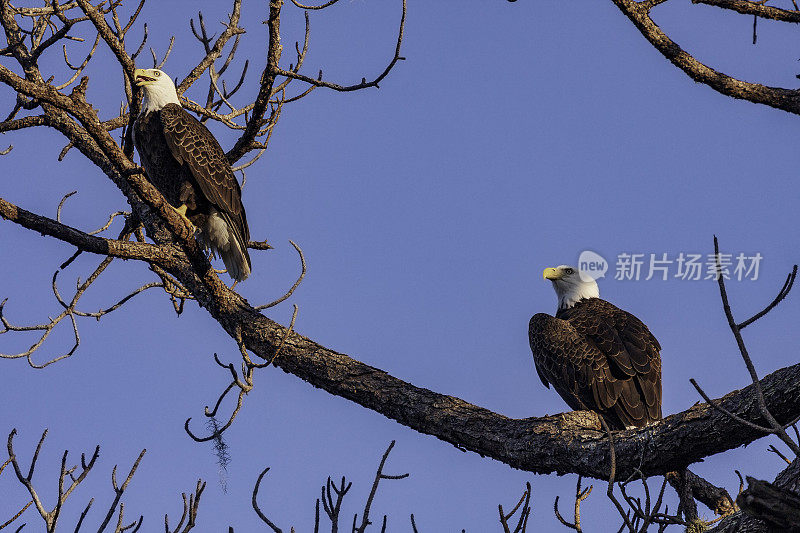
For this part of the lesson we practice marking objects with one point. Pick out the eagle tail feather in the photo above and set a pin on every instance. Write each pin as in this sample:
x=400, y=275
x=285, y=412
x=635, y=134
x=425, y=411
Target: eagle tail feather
x=223, y=238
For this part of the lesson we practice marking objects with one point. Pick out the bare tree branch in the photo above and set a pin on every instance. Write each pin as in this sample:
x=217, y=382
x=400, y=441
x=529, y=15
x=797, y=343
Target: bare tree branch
x=69, y=480
x=257, y=509
x=525, y=513
x=638, y=14
x=715, y=498
x=50, y=517
x=289, y=293
x=573, y=442
x=778, y=507
x=759, y=9
x=190, y=507
x=319, y=82
x=580, y=495
x=774, y=427
x=323, y=6
x=379, y=475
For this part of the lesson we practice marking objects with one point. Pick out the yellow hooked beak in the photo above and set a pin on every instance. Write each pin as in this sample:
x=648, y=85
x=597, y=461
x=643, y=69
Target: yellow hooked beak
x=552, y=274
x=141, y=77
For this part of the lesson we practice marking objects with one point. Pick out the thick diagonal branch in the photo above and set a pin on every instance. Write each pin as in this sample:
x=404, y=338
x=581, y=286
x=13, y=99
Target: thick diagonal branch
x=567, y=443
x=780, y=98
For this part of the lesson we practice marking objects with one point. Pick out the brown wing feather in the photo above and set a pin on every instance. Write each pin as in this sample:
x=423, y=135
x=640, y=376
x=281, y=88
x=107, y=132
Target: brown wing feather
x=563, y=359
x=163, y=171
x=601, y=358
x=192, y=144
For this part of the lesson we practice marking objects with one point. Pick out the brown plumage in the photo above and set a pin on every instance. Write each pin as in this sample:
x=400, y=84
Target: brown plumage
x=601, y=358
x=187, y=165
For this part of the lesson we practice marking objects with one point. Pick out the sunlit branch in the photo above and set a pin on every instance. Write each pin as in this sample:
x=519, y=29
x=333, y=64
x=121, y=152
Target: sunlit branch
x=70, y=477
x=119, y=490
x=46, y=329
x=156, y=63
x=79, y=69
x=50, y=517
x=580, y=495
x=80, y=239
x=243, y=383
x=231, y=29
x=267, y=80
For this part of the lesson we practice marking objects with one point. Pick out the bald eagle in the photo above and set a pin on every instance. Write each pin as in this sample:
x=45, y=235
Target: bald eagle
x=597, y=356
x=186, y=164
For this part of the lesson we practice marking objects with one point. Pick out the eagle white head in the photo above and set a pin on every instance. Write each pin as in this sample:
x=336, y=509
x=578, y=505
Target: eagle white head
x=570, y=286
x=159, y=89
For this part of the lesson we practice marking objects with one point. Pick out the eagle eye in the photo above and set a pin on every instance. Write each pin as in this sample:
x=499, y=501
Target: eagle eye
x=568, y=270
x=156, y=73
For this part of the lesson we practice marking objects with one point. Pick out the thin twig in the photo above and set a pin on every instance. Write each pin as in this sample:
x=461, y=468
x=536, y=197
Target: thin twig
x=289, y=293
x=257, y=509
x=379, y=475
x=319, y=82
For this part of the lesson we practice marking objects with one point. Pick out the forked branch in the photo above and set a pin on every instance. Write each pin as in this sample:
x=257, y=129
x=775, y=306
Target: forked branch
x=332, y=496
x=524, y=504
x=773, y=426
x=580, y=495
x=71, y=477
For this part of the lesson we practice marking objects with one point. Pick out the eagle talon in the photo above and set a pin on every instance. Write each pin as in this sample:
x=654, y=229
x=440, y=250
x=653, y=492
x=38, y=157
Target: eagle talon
x=182, y=212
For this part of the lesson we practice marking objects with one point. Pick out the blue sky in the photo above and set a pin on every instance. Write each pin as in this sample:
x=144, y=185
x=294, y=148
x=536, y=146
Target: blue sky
x=512, y=138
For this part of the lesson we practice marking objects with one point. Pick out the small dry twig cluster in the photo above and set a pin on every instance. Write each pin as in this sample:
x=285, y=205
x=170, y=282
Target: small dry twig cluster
x=70, y=477
x=70, y=309
x=68, y=480
x=332, y=497
x=243, y=382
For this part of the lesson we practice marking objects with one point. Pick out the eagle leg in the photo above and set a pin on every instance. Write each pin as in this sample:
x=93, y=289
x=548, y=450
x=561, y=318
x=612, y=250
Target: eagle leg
x=182, y=212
